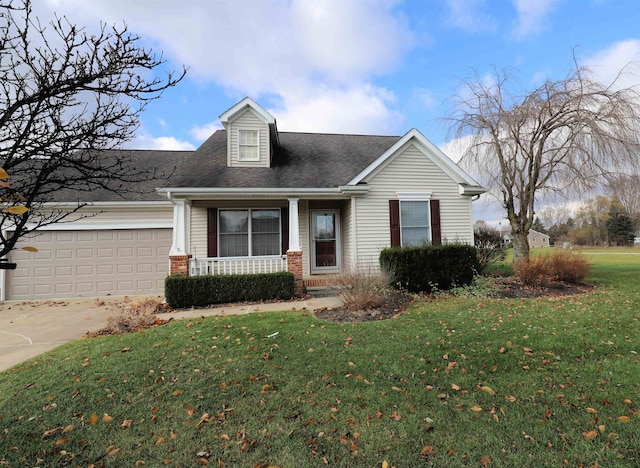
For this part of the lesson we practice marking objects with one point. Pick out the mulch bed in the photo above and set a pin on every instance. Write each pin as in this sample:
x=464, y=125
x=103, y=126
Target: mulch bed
x=501, y=288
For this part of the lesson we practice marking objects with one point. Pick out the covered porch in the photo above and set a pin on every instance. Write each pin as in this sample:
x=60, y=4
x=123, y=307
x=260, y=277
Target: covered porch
x=309, y=235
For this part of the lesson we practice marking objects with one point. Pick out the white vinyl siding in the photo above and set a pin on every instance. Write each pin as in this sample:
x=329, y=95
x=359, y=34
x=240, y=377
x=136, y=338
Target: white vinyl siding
x=347, y=235
x=411, y=171
x=244, y=124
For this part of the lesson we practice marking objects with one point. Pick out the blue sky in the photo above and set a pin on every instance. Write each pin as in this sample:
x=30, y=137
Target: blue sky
x=353, y=66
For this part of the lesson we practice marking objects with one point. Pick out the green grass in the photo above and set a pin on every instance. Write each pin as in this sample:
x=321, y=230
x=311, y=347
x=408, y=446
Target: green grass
x=452, y=382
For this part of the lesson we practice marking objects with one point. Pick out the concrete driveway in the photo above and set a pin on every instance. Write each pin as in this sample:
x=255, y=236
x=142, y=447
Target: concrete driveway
x=29, y=328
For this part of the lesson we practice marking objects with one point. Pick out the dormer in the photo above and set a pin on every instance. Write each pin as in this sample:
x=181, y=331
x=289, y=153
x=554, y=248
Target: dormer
x=252, y=135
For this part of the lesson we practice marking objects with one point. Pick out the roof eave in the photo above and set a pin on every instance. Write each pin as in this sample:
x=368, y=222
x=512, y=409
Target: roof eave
x=212, y=193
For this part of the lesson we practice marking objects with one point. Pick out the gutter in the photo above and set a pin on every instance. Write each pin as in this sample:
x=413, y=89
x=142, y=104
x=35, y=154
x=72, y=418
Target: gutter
x=209, y=193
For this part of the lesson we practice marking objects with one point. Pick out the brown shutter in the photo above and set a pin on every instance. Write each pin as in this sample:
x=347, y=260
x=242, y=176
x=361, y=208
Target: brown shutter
x=212, y=232
x=436, y=235
x=394, y=222
x=284, y=227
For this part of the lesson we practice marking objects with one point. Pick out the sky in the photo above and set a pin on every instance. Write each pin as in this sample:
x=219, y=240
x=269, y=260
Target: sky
x=354, y=66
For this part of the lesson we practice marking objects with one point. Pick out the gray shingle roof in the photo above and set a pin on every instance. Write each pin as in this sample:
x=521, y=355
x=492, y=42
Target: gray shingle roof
x=304, y=160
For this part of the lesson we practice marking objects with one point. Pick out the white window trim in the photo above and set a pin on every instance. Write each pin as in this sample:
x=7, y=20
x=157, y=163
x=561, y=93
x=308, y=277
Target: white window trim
x=412, y=197
x=257, y=145
x=250, y=230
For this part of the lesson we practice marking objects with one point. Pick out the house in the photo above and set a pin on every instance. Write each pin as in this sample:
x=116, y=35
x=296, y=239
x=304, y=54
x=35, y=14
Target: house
x=254, y=199
x=538, y=239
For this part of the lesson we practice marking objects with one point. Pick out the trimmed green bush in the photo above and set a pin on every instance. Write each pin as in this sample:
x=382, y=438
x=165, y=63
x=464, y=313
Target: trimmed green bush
x=189, y=291
x=431, y=267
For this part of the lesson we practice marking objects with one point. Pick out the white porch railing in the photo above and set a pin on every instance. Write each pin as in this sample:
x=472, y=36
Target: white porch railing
x=237, y=265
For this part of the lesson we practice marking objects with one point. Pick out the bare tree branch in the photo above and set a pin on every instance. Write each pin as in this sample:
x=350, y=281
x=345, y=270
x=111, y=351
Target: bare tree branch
x=566, y=134
x=66, y=96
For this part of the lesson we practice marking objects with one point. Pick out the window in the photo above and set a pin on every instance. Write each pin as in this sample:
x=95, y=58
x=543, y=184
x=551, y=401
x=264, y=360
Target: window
x=414, y=222
x=249, y=233
x=248, y=145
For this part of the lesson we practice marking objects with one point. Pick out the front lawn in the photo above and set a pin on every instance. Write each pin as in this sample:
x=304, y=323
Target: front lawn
x=452, y=382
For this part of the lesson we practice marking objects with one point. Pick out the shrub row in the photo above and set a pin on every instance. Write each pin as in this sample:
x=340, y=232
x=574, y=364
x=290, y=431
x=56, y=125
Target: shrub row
x=189, y=291
x=432, y=267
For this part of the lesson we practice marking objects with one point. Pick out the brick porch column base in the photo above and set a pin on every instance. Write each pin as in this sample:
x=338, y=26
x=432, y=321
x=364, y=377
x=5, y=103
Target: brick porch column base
x=179, y=265
x=294, y=265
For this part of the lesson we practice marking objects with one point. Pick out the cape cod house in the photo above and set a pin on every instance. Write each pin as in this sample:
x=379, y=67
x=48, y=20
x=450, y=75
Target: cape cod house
x=254, y=199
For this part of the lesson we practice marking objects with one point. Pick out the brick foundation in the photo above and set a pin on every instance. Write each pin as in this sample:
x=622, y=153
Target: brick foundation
x=179, y=265
x=294, y=265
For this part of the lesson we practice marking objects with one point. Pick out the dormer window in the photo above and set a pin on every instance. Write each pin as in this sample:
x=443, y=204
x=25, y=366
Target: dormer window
x=248, y=145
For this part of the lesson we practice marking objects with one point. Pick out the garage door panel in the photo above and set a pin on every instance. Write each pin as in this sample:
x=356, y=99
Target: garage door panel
x=90, y=263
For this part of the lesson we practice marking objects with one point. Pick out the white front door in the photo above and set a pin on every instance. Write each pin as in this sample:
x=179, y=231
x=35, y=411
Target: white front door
x=325, y=241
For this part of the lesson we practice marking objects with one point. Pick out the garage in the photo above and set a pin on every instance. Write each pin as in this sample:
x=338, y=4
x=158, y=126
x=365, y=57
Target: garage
x=86, y=263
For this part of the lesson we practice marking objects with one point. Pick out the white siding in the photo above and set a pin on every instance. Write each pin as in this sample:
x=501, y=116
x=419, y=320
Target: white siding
x=305, y=229
x=117, y=217
x=347, y=235
x=248, y=120
x=409, y=171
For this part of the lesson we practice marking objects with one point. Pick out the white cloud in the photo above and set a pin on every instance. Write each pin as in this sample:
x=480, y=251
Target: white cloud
x=467, y=15
x=275, y=48
x=202, y=132
x=532, y=17
x=607, y=63
x=144, y=140
x=363, y=109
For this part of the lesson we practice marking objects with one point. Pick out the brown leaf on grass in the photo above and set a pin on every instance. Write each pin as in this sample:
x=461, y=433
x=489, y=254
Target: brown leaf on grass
x=178, y=392
x=126, y=423
x=159, y=440
x=68, y=428
x=51, y=432
x=111, y=450
x=205, y=418
x=475, y=408
x=94, y=419
x=624, y=419
x=591, y=411
x=489, y=390
x=590, y=435
x=485, y=461
x=106, y=418
x=510, y=398
x=395, y=416
x=426, y=451
x=62, y=441
x=455, y=387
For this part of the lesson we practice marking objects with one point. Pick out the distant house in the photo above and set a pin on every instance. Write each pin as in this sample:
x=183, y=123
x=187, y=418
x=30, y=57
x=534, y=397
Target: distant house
x=538, y=239
x=253, y=199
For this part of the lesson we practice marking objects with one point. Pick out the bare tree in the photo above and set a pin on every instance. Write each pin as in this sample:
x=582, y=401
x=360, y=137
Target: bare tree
x=65, y=97
x=626, y=188
x=563, y=135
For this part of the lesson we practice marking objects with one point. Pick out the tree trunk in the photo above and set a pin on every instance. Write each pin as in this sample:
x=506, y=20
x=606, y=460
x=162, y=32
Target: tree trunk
x=520, y=246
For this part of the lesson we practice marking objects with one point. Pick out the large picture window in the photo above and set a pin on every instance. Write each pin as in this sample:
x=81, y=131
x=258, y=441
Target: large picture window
x=249, y=233
x=248, y=145
x=414, y=222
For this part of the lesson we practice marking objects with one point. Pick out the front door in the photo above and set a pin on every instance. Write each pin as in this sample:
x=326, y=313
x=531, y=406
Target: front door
x=325, y=241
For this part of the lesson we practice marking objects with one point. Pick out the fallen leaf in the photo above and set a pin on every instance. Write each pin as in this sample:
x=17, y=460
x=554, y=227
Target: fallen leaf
x=624, y=419
x=62, y=441
x=126, y=423
x=590, y=435
x=94, y=419
x=591, y=411
x=475, y=408
x=106, y=418
x=489, y=390
x=426, y=451
x=455, y=387
x=178, y=392
x=484, y=461
x=510, y=398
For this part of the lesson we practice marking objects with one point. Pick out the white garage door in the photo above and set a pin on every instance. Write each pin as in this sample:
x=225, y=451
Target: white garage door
x=90, y=263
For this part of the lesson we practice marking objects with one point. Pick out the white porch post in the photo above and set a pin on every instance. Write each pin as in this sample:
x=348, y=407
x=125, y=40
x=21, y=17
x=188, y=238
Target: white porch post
x=294, y=226
x=179, y=246
x=294, y=254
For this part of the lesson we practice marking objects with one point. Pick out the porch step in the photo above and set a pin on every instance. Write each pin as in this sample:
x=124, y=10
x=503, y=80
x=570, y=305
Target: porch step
x=321, y=291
